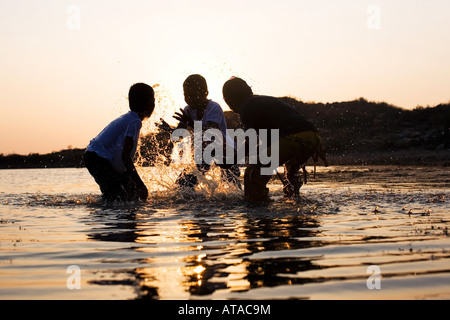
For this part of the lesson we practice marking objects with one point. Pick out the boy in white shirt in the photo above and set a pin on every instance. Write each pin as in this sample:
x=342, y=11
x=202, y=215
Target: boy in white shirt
x=200, y=108
x=109, y=156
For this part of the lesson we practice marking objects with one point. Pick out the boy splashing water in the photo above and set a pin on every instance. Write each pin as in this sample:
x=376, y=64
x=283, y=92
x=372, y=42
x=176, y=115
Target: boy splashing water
x=200, y=108
x=299, y=139
x=109, y=156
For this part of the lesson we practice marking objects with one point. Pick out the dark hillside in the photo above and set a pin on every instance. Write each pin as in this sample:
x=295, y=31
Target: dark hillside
x=70, y=158
x=360, y=131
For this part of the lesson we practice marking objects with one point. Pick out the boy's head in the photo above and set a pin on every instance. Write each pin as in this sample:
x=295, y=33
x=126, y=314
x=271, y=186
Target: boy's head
x=141, y=98
x=195, y=91
x=235, y=92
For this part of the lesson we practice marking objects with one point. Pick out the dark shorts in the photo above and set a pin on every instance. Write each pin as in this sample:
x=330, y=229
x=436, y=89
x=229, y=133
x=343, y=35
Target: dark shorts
x=294, y=151
x=113, y=185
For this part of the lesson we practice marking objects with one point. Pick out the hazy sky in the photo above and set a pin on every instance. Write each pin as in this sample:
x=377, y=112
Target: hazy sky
x=66, y=66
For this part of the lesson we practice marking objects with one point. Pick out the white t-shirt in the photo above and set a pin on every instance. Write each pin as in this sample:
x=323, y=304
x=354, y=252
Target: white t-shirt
x=110, y=142
x=213, y=113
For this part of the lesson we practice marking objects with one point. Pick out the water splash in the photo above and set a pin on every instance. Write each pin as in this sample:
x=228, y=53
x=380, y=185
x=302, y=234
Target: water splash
x=161, y=181
x=156, y=150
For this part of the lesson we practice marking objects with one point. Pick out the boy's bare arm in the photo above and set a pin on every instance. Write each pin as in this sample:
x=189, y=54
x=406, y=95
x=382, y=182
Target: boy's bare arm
x=131, y=169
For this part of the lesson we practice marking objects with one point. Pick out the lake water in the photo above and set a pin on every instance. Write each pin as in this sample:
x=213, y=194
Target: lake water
x=357, y=233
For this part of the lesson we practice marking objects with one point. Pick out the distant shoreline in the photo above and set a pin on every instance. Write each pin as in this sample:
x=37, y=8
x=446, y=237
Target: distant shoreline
x=70, y=158
x=416, y=157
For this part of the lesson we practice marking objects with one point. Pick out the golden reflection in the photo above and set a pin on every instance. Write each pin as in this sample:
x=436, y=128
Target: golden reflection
x=165, y=242
x=200, y=257
x=205, y=254
x=198, y=270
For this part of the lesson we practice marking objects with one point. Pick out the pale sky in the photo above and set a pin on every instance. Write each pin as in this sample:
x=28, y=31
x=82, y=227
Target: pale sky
x=66, y=66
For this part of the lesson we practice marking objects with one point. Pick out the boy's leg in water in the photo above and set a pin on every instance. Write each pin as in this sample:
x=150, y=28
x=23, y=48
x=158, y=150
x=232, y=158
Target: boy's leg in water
x=255, y=183
x=130, y=187
x=292, y=181
x=255, y=189
x=293, y=152
x=111, y=183
x=303, y=146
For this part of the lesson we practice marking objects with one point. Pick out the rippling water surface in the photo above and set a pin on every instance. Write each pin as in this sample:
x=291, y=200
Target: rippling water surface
x=215, y=246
